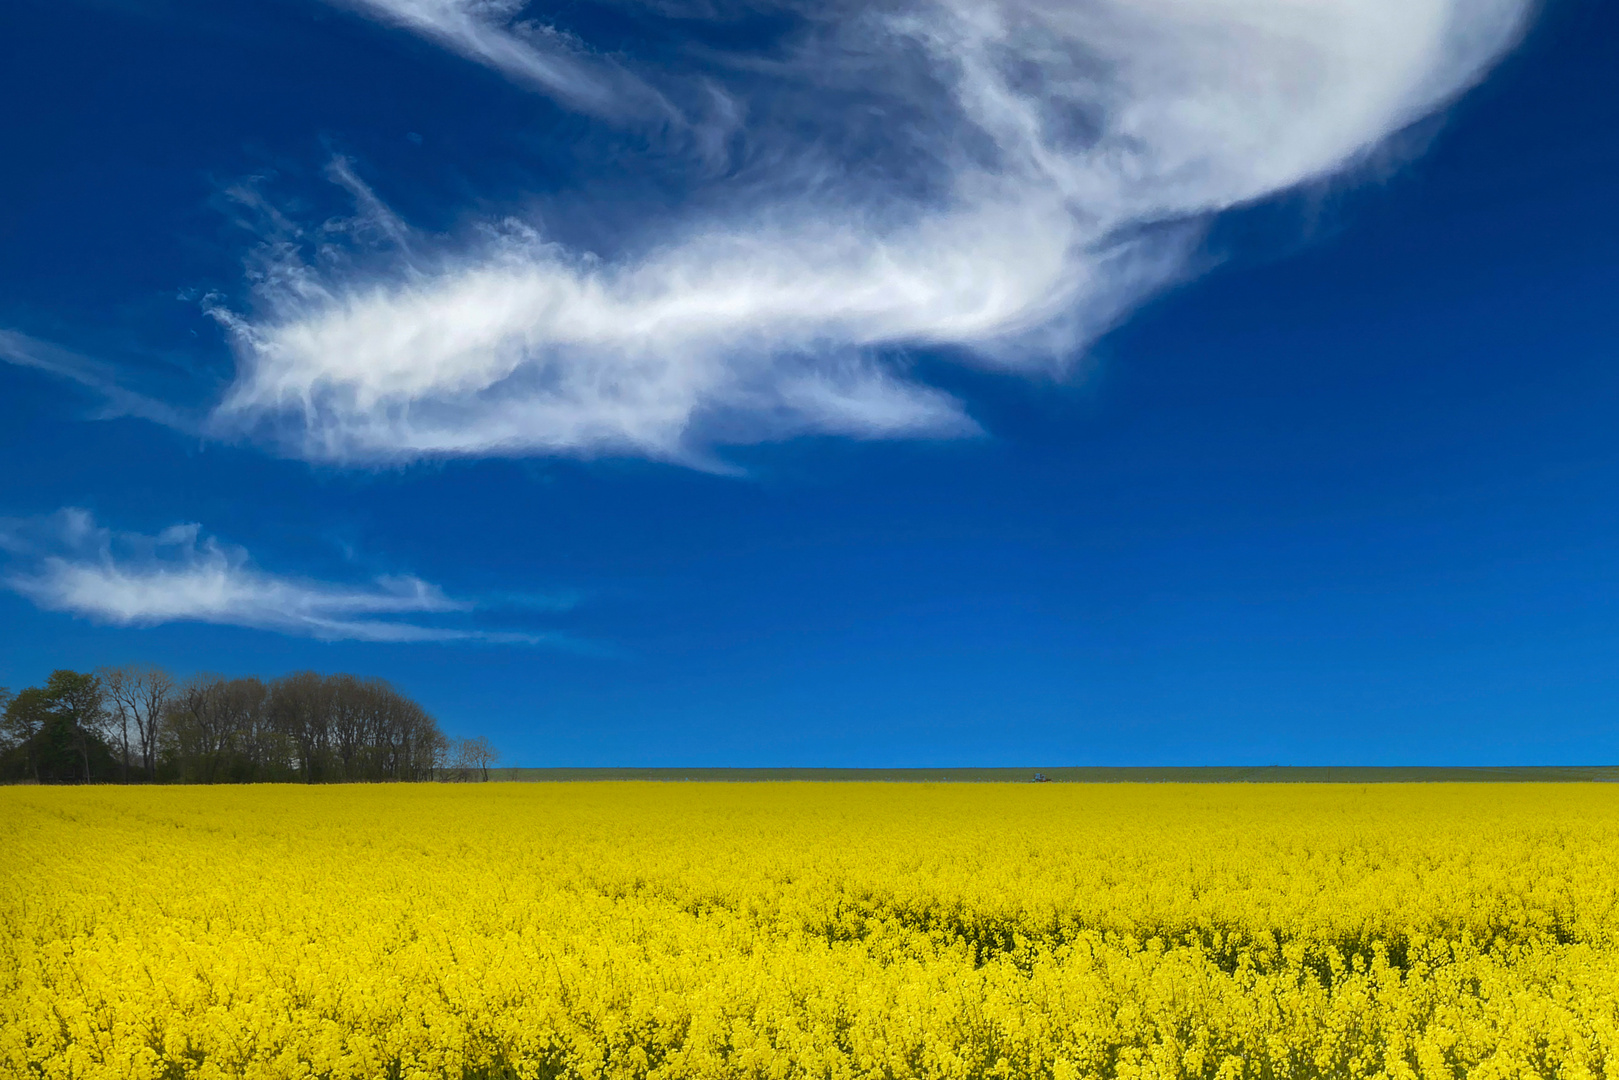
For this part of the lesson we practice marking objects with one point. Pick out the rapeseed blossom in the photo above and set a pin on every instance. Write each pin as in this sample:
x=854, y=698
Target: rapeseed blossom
x=631, y=930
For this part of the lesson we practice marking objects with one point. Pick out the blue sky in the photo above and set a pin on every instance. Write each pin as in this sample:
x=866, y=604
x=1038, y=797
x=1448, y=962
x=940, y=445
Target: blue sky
x=928, y=383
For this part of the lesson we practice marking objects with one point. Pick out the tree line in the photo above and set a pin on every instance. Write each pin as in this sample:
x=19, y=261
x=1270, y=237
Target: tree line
x=139, y=724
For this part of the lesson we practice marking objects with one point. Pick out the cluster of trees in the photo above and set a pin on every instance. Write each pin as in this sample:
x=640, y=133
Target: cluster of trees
x=139, y=723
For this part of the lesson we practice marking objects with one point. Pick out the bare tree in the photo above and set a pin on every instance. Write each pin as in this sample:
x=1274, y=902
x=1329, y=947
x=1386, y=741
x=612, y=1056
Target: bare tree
x=157, y=689
x=299, y=710
x=114, y=682
x=255, y=747
x=202, y=725
x=460, y=761
x=137, y=697
x=211, y=729
x=345, y=728
x=452, y=764
x=435, y=750
x=129, y=692
x=480, y=754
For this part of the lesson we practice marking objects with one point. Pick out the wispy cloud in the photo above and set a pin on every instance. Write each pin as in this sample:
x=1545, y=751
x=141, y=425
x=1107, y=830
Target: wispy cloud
x=1004, y=179
x=67, y=562
x=101, y=378
x=490, y=32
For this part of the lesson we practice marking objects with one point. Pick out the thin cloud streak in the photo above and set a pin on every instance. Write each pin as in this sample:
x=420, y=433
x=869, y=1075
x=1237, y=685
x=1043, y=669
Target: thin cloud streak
x=67, y=562
x=1043, y=166
x=28, y=352
x=486, y=31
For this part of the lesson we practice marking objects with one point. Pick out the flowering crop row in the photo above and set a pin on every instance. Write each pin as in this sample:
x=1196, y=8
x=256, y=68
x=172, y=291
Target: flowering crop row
x=810, y=930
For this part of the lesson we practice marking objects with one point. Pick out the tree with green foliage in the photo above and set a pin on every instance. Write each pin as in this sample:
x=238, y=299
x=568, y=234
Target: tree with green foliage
x=76, y=702
x=55, y=731
x=26, y=715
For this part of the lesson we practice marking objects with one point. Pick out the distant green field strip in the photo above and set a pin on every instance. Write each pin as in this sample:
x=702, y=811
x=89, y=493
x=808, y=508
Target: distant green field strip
x=1267, y=774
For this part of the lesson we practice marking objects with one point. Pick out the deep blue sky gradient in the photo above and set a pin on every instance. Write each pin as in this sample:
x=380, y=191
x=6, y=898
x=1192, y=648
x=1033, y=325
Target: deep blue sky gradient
x=1351, y=495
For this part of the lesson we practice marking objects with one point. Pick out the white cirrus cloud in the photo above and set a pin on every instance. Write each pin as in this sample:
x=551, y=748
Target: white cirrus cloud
x=998, y=179
x=67, y=562
x=491, y=33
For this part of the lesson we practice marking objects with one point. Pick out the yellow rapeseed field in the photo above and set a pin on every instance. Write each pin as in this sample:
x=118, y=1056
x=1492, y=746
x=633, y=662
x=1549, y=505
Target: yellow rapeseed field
x=810, y=930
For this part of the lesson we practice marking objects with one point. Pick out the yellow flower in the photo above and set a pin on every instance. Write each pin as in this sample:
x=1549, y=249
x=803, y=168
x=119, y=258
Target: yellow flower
x=809, y=931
